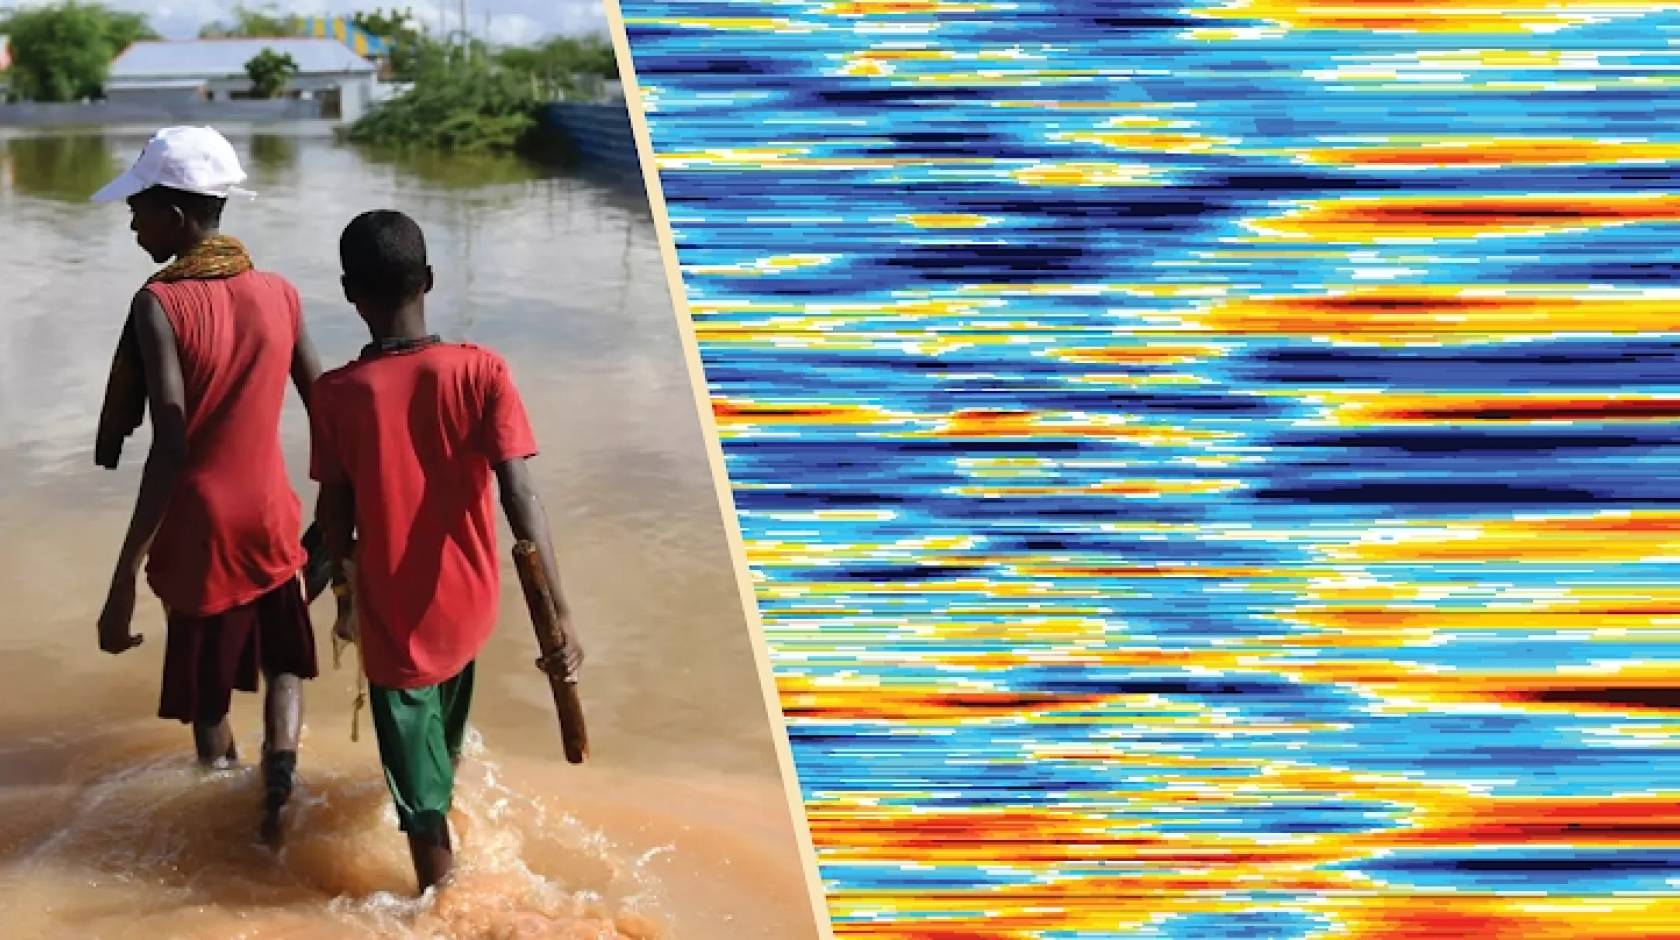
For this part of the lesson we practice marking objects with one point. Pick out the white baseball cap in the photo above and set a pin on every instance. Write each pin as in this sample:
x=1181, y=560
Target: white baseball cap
x=191, y=159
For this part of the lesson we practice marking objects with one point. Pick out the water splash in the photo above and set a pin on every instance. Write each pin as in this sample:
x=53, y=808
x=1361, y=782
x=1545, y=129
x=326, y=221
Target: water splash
x=158, y=839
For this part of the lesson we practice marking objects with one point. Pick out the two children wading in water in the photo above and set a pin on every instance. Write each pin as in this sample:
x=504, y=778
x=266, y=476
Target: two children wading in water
x=406, y=441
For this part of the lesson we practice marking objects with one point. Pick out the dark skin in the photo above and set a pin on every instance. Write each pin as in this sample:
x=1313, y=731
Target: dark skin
x=432, y=852
x=165, y=232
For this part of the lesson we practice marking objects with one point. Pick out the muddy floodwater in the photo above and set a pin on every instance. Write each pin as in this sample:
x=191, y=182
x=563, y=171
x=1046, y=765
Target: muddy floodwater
x=677, y=828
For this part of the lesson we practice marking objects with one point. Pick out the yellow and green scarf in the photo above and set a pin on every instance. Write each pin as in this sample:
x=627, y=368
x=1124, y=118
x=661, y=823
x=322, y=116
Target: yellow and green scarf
x=217, y=257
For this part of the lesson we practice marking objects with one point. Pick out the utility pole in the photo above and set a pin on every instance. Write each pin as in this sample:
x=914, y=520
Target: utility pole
x=464, y=32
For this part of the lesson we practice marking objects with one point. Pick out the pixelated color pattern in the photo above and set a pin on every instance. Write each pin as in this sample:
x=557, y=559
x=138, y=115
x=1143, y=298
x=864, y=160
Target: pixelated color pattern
x=1207, y=471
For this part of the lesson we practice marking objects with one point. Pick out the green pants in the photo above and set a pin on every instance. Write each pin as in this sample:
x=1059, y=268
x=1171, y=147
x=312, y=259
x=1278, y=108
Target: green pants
x=420, y=732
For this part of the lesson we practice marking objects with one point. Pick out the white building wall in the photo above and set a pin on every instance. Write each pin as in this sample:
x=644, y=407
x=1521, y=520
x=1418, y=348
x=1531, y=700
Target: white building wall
x=356, y=92
x=356, y=96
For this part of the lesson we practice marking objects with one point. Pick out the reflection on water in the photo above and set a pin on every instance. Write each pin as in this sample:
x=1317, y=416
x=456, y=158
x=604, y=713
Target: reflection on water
x=67, y=168
x=451, y=171
x=273, y=152
x=676, y=828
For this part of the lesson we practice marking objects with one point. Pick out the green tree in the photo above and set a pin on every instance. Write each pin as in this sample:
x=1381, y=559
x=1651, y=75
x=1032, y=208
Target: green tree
x=265, y=22
x=388, y=24
x=562, y=65
x=402, y=31
x=463, y=101
x=269, y=72
x=64, y=52
x=469, y=98
x=598, y=57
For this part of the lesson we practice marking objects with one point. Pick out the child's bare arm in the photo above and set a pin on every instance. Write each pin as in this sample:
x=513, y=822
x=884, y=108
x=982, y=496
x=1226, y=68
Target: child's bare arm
x=306, y=364
x=166, y=398
x=529, y=522
x=335, y=513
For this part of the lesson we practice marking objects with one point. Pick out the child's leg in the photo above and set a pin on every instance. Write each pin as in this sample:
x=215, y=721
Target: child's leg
x=282, y=725
x=412, y=726
x=213, y=739
x=286, y=640
x=432, y=854
x=287, y=643
x=199, y=664
x=282, y=712
x=457, y=703
x=432, y=851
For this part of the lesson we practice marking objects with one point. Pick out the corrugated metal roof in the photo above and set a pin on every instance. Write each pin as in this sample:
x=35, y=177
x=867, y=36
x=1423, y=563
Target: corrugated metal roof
x=218, y=58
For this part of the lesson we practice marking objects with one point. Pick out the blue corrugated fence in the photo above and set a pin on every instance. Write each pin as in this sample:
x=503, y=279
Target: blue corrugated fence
x=594, y=134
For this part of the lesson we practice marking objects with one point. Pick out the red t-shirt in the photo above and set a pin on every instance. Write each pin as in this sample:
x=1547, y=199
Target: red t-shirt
x=231, y=530
x=416, y=435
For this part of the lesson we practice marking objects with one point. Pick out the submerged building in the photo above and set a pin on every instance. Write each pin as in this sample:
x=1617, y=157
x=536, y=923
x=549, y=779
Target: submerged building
x=340, y=83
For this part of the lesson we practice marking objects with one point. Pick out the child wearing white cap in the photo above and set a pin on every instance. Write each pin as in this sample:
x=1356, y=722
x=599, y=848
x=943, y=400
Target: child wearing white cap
x=208, y=347
x=194, y=160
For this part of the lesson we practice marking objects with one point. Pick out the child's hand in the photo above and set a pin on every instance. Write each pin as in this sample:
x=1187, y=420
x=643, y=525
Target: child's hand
x=345, y=627
x=344, y=591
x=116, y=620
x=574, y=646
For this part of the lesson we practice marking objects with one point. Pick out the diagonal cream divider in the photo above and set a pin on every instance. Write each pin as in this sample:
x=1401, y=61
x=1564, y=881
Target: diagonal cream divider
x=720, y=476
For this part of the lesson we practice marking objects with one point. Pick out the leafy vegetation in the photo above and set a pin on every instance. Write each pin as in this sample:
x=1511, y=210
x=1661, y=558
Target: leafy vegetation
x=266, y=22
x=63, y=52
x=563, y=66
x=269, y=72
x=401, y=30
x=462, y=100
x=464, y=97
x=469, y=98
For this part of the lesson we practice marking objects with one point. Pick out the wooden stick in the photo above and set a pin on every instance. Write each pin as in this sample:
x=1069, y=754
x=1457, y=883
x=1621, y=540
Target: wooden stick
x=360, y=701
x=545, y=618
x=361, y=694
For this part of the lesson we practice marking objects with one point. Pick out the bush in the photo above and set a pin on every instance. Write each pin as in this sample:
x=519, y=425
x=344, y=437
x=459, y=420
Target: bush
x=401, y=30
x=562, y=66
x=64, y=52
x=462, y=101
x=247, y=23
x=269, y=72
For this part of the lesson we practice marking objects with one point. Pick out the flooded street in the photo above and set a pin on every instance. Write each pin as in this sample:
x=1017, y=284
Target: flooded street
x=677, y=828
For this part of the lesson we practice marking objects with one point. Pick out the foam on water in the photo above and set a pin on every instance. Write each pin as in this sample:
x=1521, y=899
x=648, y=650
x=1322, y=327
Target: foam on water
x=152, y=838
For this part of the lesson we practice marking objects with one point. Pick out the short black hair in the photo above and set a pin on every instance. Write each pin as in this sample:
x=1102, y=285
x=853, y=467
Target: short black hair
x=205, y=210
x=384, y=257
